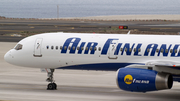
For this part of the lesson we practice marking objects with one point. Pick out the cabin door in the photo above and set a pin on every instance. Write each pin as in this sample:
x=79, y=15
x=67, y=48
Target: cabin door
x=112, y=49
x=37, y=48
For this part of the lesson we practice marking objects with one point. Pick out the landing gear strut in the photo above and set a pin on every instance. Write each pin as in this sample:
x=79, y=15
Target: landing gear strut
x=52, y=85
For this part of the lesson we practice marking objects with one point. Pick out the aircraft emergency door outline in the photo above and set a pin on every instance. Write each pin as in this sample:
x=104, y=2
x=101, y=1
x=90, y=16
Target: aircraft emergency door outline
x=37, y=48
x=112, y=49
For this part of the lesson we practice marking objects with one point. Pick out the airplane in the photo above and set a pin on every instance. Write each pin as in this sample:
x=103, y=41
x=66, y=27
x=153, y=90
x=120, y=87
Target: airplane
x=142, y=62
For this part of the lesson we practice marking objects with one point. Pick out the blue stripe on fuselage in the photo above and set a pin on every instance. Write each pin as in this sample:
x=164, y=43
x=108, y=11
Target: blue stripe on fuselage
x=99, y=66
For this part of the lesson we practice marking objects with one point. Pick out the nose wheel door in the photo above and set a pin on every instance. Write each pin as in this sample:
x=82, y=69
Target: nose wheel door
x=37, y=48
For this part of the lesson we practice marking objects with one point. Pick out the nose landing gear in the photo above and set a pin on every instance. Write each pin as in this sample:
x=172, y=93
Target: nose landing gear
x=52, y=85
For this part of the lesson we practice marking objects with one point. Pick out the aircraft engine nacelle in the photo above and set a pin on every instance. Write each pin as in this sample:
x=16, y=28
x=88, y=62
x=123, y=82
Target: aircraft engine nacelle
x=142, y=80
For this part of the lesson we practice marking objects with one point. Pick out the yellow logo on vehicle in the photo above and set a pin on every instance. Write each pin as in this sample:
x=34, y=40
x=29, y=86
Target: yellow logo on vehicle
x=128, y=79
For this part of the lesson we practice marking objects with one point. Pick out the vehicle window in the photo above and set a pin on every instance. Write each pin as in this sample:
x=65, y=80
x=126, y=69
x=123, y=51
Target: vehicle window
x=121, y=49
x=73, y=47
x=130, y=50
x=95, y=48
x=47, y=47
x=61, y=47
x=134, y=49
x=18, y=47
x=77, y=48
x=90, y=48
x=139, y=50
x=162, y=50
x=65, y=47
x=56, y=47
x=126, y=49
x=148, y=50
x=82, y=48
x=175, y=51
x=166, y=50
x=99, y=48
x=171, y=51
x=157, y=50
x=52, y=47
x=86, y=48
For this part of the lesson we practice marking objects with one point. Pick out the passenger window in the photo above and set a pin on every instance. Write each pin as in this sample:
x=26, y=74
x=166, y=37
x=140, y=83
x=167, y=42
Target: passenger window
x=73, y=47
x=134, y=49
x=65, y=47
x=162, y=50
x=69, y=48
x=126, y=49
x=130, y=49
x=60, y=47
x=77, y=48
x=157, y=50
x=99, y=49
x=56, y=47
x=47, y=47
x=90, y=48
x=52, y=47
x=82, y=48
x=171, y=51
x=175, y=51
x=148, y=50
x=121, y=49
x=86, y=48
x=18, y=47
x=166, y=50
x=139, y=50
x=95, y=48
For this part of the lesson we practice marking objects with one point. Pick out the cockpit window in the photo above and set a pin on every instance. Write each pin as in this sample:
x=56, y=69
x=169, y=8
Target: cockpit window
x=18, y=47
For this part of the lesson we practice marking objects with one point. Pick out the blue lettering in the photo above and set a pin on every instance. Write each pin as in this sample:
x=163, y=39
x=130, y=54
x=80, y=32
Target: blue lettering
x=89, y=45
x=137, y=50
x=80, y=48
x=117, y=49
x=127, y=49
x=174, y=53
x=153, y=46
x=165, y=50
x=74, y=44
x=106, y=46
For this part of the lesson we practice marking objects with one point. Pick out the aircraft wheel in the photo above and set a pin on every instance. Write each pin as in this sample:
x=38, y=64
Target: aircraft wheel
x=51, y=86
x=55, y=86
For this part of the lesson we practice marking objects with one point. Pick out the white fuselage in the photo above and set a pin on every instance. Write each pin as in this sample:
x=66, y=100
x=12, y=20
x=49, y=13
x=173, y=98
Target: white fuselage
x=110, y=51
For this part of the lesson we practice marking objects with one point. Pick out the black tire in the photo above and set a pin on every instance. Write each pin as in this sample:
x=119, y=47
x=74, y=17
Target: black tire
x=50, y=86
x=55, y=86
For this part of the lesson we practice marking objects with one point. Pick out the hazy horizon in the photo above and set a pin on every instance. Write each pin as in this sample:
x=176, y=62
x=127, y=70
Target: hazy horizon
x=83, y=8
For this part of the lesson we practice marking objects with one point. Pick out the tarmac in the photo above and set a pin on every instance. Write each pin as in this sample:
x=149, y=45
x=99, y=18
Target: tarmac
x=173, y=17
x=28, y=84
x=28, y=27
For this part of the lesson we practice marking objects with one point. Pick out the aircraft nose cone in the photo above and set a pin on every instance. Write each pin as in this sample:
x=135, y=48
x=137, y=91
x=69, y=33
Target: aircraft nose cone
x=8, y=57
